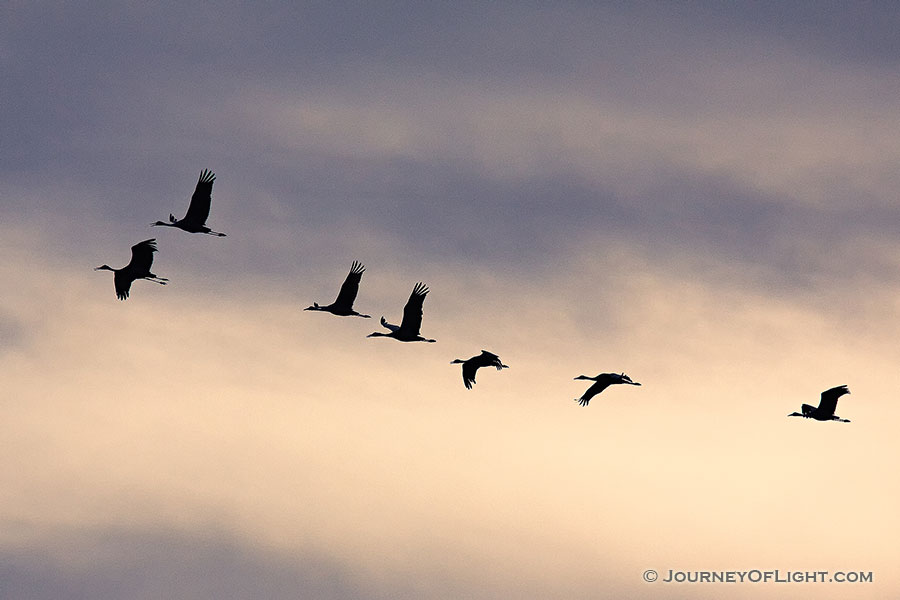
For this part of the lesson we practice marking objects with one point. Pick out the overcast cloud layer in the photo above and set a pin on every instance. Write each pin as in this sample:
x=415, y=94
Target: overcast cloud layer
x=493, y=133
x=702, y=195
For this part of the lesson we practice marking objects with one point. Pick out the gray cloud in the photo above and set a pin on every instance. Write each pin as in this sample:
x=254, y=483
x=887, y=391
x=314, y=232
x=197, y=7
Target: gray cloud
x=500, y=135
x=122, y=564
x=864, y=35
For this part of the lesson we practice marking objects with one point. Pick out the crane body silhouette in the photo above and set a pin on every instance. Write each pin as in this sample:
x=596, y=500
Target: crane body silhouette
x=194, y=220
x=471, y=365
x=601, y=382
x=408, y=330
x=343, y=305
x=138, y=268
x=826, y=408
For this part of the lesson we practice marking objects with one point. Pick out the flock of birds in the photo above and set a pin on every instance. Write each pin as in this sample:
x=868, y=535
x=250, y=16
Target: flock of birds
x=194, y=221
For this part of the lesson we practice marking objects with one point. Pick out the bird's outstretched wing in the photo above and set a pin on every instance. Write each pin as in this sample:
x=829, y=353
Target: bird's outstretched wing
x=412, y=312
x=596, y=388
x=489, y=359
x=468, y=373
x=198, y=211
x=828, y=402
x=141, y=258
x=350, y=287
x=390, y=326
x=122, y=281
x=585, y=399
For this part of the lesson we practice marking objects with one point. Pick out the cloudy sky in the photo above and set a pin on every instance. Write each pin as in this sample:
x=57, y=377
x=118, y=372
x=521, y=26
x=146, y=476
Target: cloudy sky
x=699, y=194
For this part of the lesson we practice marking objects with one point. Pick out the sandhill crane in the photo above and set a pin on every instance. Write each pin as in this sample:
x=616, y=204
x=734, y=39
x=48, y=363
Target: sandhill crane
x=408, y=331
x=138, y=268
x=603, y=381
x=471, y=365
x=827, y=405
x=343, y=305
x=194, y=220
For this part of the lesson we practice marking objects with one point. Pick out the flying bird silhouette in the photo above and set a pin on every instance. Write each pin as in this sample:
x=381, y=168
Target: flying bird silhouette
x=602, y=381
x=343, y=305
x=408, y=331
x=194, y=220
x=138, y=268
x=471, y=365
x=826, y=408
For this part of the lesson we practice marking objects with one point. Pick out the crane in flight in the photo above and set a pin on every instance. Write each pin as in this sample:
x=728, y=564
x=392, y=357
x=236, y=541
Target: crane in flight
x=343, y=305
x=601, y=382
x=194, y=220
x=471, y=365
x=408, y=331
x=138, y=268
x=826, y=408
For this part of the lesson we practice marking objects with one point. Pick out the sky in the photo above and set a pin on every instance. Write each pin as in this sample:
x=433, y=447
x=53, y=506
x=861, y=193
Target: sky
x=702, y=195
